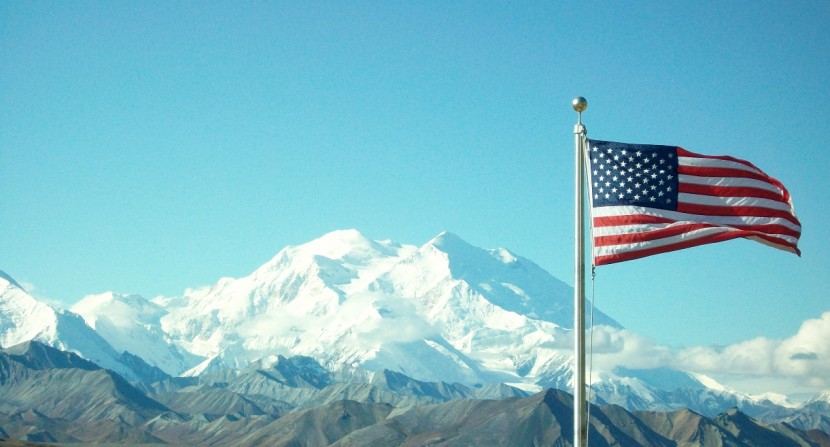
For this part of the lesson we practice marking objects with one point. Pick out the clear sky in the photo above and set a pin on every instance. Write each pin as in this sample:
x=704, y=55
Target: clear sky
x=148, y=147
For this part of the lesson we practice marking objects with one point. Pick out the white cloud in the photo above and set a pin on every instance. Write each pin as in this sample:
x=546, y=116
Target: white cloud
x=804, y=357
x=802, y=361
x=621, y=347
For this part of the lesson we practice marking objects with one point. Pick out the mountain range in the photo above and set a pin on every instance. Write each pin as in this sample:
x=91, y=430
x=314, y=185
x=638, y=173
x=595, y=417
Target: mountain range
x=347, y=314
x=52, y=396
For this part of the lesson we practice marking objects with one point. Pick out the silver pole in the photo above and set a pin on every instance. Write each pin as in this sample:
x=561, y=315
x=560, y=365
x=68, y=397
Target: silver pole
x=580, y=413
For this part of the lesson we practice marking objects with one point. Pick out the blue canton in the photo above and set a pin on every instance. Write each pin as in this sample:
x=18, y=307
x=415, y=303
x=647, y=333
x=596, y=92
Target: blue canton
x=633, y=174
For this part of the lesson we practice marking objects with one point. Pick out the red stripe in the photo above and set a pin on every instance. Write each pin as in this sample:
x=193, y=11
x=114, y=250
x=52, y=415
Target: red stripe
x=645, y=236
x=684, y=153
x=630, y=219
x=639, y=219
x=739, y=211
x=662, y=233
x=705, y=171
x=719, y=237
x=730, y=191
x=776, y=241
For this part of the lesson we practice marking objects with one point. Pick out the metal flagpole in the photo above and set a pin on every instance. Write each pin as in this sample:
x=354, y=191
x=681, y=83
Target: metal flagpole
x=580, y=413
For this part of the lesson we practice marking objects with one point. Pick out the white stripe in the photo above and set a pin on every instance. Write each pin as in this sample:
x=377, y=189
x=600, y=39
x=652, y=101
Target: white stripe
x=646, y=228
x=612, y=211
x=716, y=163
x=629, y=229
x=772, y=244
x=698, y=199
x=691, y=235
x=729, y=181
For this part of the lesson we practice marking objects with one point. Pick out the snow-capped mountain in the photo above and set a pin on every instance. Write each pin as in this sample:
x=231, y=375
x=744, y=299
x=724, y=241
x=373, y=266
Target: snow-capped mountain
x=131, y=323
x=24, y=318
x=443, y=311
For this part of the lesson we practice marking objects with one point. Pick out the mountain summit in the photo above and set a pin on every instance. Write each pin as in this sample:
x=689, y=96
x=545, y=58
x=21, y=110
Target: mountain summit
x=446, y=310
x=23, y=318
x=353, y=307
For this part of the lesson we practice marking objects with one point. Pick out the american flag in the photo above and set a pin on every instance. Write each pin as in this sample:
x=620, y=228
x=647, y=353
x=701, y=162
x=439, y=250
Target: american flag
x=649, y=199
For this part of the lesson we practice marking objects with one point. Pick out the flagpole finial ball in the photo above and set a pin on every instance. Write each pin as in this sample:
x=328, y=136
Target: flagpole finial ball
x=580, y=104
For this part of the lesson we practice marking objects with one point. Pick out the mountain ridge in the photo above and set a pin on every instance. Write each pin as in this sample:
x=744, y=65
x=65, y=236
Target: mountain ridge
x=97, y=406
x=445, y=312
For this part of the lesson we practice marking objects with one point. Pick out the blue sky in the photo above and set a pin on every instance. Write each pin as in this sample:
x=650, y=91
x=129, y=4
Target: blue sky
x=148, y=147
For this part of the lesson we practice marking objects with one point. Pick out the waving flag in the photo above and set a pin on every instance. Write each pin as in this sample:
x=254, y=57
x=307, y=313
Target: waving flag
x=650, y=199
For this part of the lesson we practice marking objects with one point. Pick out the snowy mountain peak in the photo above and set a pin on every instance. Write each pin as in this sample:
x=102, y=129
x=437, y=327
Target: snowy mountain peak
x=822, y=397
x=774, y=398
x=349, y=246
x=23, y=318
x=120, y=309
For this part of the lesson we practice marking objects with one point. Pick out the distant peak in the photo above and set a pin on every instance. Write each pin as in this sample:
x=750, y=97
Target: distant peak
x=340, y=244
x=823, y=396
x=338, y=238
x=448, y=240
x=346, y=234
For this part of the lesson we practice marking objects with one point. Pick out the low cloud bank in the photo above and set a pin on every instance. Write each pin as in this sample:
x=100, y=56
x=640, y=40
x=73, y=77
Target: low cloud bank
x=802, y=361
